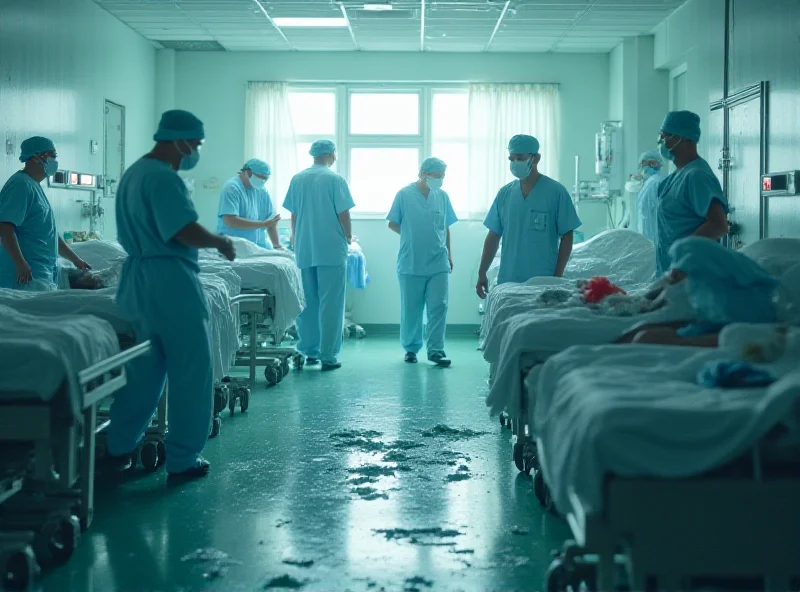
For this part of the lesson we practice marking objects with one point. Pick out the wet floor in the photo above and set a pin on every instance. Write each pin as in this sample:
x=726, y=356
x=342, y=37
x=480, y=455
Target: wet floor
x=382, y=475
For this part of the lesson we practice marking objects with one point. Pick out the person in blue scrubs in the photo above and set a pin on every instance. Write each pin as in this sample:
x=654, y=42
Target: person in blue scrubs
x=245, y=207
x=535, y=218
x=690, y=200
x=650, y=164
x=422, y=215
x=29, y=242
x=320, y=203
x=159, y=291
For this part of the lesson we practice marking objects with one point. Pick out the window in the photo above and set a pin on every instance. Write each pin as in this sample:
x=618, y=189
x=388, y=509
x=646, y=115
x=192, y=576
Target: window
x=450, y=142
x=313, y=118
x=376, y=174
x=384, y=113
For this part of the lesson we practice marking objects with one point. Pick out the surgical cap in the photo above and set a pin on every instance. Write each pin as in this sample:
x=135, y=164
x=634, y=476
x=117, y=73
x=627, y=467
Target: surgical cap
x=522, y=144
x=682, y=123
x=432, y=165
x=179, y=125
x=259, y=167
x=321, y=148
x=652, y=155
x=33, y=146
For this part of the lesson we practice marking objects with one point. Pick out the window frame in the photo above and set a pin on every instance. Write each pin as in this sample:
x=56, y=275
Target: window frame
x=346, y=141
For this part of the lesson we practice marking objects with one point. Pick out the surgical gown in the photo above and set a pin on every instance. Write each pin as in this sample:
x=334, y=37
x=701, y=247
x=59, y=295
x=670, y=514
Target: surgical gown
x=423, y=266
x=24, y=204
x=316, y=197
x=531, y=228
x=647, y=208
x=684, y=199
x=249, y=203
x=160, y=292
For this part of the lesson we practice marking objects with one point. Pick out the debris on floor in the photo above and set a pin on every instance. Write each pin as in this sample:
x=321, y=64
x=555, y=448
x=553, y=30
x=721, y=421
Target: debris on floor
x=426, y=537
x=369, y=493
x=520, y=530
x=372, y=471
x=458, y=477
x=363, y=480
x=443, y=431
x=413, y=584
x=299, y=563
x=280, y=523
x=395, y=456
x=285, y=581
x=214, y=561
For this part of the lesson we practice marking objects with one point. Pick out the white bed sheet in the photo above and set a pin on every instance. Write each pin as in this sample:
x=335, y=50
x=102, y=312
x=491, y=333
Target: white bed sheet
x=636, y=411
x=38, y=354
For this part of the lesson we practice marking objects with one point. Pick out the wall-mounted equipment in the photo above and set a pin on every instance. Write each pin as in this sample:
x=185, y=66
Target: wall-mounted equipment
x=609, y=158
x=75, y=180
x=777, y=184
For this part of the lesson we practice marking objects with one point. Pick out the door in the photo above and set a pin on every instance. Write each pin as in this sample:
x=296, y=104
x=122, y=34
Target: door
x=113, y=146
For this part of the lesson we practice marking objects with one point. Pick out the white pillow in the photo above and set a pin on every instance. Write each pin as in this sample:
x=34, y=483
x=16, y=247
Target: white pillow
x=776, y=255
x=99, y=254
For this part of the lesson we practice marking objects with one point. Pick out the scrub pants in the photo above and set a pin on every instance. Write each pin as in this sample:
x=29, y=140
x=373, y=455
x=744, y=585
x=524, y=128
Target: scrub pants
x=178, y=329
x=419, y=293
x=320, y=325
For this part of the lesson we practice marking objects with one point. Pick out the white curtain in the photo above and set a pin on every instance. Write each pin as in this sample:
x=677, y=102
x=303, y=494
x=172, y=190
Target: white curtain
x=496, y=113
x=269, y=134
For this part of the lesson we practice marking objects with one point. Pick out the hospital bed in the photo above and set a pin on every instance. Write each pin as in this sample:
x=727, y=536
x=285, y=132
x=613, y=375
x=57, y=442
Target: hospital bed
x=666, y=478
x=54, y=374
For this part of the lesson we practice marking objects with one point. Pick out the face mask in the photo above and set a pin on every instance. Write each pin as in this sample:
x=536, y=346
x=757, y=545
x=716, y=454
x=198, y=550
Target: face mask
x=521, y=168
x=633, y=186
x=667, y=152
x=50, y=166
x=649, y=171
x=188, y=161
x=434, y=183
x=257, y=182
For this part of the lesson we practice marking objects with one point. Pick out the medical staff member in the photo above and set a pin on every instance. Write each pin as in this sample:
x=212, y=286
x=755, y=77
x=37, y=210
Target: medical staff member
x=535, y=218
x=29, y=242
x=422, y=215
x=245, y=207
x=160, y=292
x=320, y=203
x=650, y=164
x=690, y=200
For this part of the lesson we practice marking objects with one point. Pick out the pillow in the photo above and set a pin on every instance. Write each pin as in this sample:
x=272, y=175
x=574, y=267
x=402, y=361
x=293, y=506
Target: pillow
x=776, y=255
x=99, y=254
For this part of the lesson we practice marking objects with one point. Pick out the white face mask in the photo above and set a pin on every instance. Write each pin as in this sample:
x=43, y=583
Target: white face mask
x=50, y=166
x=257, y=182
x=521, y=169
x=434, y=183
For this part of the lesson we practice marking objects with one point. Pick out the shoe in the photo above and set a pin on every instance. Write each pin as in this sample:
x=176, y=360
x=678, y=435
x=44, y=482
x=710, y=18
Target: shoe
x=117, y=464
x=328, y=367
x=200, y=469
x=312, y=361
x=411, y=358
x=440, y=360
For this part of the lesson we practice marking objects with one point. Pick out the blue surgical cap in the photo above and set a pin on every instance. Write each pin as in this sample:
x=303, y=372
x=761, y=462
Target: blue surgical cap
x=321, y=148
x=682, y=123
x=652, y=155
x=432, y=165
x=33, y=146
x=522, y=144
x=179, y=125
x=259, y=167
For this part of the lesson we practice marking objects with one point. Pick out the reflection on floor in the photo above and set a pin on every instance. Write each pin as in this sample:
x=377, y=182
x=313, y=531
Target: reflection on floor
x=382, y=475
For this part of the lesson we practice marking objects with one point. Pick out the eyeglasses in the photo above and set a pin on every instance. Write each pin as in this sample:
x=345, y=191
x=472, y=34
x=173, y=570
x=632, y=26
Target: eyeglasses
x=661, y=139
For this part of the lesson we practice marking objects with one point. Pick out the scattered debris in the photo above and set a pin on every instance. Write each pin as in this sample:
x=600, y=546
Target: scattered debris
x=362, y=444
x=372, y=471
x=443, y=431
x=395, y=456
x=352, y=434
x=369, y=493
x=404, y=468
x=363, y=480
x=280, y=523
x=284, y=581
x=520, y=530
x=216, y=562
x=458, y=477
x=298, y=563
x=412, y=583
x=463, y=551
x=404, y=445
x=425, y=537
x=463, y=469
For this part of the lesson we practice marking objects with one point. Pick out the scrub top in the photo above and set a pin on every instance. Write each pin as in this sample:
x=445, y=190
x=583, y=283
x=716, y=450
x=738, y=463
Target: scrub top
x=530, y=228
x=316, y=197
x=684, y=199
x=24, y=204
x=423, y=226
x=647, y=203
x=248, y=203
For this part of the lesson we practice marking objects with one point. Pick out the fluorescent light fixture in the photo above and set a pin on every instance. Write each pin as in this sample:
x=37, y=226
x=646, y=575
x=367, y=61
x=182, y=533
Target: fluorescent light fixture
x=311, y=22
x=377, y=7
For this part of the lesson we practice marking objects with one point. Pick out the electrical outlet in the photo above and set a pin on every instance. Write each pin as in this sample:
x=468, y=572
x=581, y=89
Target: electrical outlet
x=9, y=147
x=93, y=146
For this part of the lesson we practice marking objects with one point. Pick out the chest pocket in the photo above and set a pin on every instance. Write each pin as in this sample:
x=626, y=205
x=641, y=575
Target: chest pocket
x=438, y=219
x=537, y=221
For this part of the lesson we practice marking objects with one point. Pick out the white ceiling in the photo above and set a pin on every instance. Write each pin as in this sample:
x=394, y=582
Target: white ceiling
x=454, y=25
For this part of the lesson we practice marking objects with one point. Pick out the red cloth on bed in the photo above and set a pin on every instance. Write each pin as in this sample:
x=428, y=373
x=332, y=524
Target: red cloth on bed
x=598, y=288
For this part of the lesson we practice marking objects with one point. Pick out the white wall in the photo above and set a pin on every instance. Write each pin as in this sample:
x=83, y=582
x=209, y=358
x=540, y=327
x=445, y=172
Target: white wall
x=212, y=85
x=59, y=61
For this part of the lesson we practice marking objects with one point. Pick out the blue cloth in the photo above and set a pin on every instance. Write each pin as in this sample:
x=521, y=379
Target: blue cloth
x=724, y=374
x=357, y=275
x=179, y=125
x=24, y=204
x=432, y=165
x=530, y=228
x=248, y=203
x=33, y=146
x=160, y=291
x=423, y=223
x=320, y=325
x=321, y=148
x=684, y=199
x=699, y=329
x=725, y=286
x=259, y=167
x=684, y=124
x=523, y=144
x=316, y=197
x=420, y=296
x=647, y=205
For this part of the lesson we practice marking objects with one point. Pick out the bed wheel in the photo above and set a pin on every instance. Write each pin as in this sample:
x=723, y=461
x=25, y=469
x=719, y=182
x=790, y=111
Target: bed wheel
x=542, y=491
x=149, y=457
x=555, y=579
x=162, y=452
x=273, y=375
x=244, y=400
x=519, y=459
x=285, y=368
x=56, y=541
x=299, y=361
x=19, y=570
x=216, y=424
x=220, y=399
x=232, y=401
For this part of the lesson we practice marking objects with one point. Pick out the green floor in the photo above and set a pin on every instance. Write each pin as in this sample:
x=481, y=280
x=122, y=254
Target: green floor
x=287, y=485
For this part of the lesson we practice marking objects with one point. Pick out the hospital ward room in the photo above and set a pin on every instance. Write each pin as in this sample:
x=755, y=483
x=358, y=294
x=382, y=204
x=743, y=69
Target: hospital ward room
x=400, y=295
